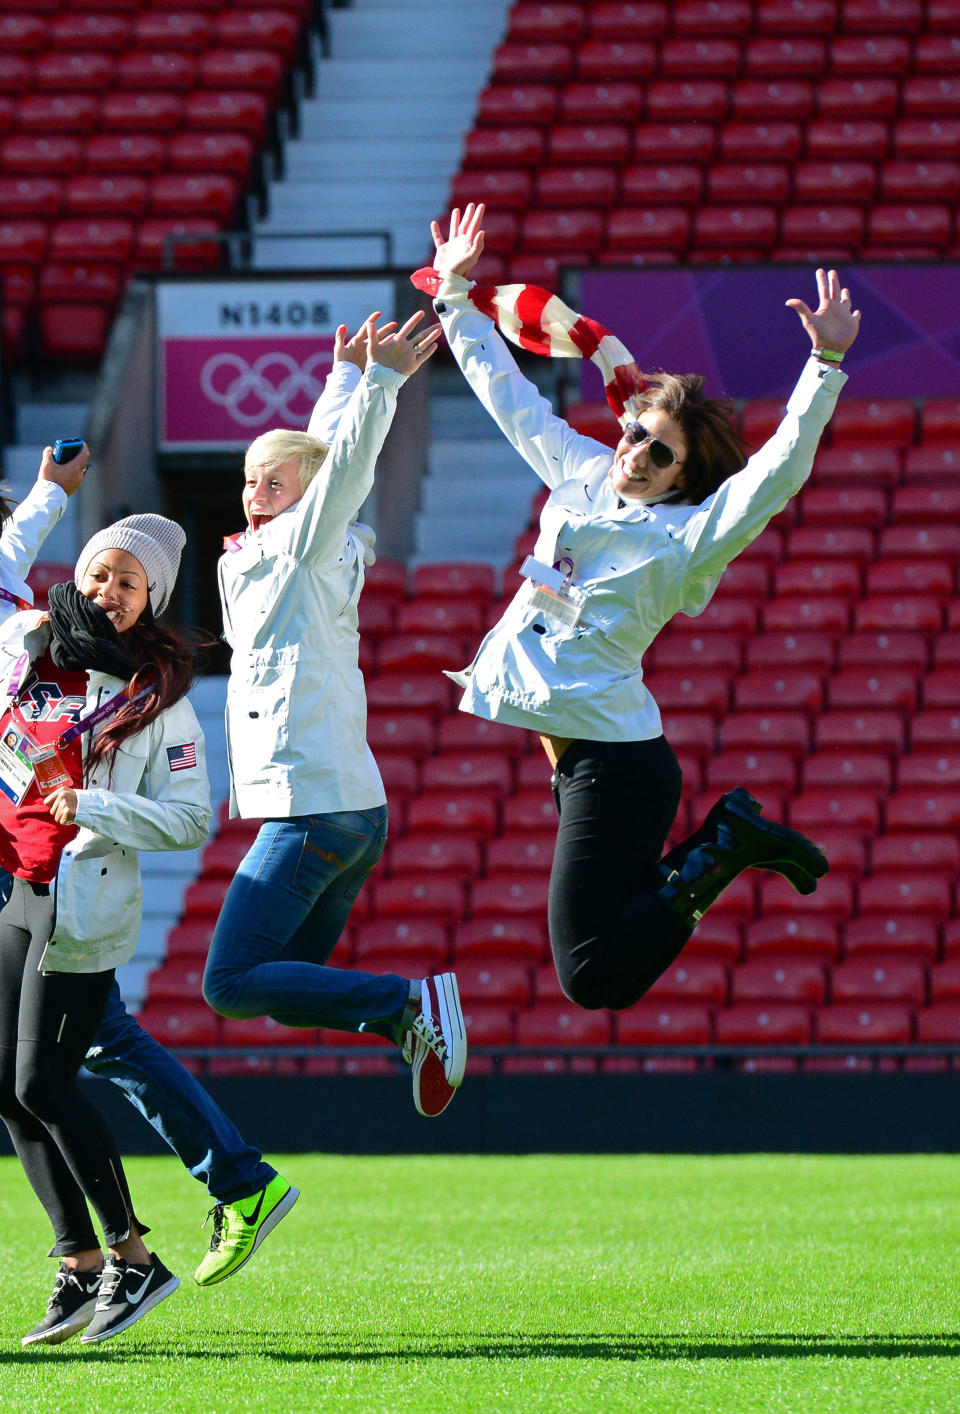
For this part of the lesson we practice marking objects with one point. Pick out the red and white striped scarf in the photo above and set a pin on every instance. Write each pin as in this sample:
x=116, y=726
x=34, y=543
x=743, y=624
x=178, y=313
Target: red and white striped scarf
x=538, y=321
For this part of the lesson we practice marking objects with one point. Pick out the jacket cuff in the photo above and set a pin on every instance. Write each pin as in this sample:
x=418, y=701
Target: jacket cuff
x=815, y=376
x=454, y=289
x=379, y=373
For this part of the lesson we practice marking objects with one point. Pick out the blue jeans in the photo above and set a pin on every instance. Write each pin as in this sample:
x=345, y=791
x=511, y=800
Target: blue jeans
x=283, y=913
x=208, y=1143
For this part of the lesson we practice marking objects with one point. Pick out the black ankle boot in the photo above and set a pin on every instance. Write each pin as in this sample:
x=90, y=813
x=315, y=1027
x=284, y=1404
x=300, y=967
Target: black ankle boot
x=734, y=837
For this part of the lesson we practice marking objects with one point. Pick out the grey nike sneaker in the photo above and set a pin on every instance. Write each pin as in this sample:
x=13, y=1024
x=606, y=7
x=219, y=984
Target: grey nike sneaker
x=70, y=1308
x=127, y=1292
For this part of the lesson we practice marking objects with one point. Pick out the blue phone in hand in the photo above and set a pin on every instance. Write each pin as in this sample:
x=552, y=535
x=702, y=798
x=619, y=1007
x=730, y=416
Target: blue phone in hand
x=66, y=448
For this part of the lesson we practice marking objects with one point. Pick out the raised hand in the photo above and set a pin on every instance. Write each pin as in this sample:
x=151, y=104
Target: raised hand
x=833, y=324
x=405, y=349
x=459, y=253
x=68, y=475
x=354, y=349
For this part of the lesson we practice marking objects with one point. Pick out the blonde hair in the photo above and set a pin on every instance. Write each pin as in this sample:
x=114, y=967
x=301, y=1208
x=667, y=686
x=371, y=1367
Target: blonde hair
x=272, y=448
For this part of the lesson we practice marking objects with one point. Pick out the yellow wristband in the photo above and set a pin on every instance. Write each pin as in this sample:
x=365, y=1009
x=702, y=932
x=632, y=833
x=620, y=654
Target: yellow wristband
x=827, y=355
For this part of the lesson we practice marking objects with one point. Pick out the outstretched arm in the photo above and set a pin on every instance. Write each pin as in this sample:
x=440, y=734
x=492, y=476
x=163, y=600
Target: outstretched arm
x=29, y=523
x=546, y=442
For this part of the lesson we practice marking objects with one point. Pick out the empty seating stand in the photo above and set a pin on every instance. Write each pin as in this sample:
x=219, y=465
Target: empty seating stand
x=121, y=124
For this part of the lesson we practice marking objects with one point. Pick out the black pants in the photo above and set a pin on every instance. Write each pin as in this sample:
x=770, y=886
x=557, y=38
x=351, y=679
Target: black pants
x=47, y=1023
x=611, y=935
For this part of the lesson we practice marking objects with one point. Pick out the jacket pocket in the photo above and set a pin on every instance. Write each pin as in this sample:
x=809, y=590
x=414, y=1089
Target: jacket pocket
x=99, y=901
x=258, y=702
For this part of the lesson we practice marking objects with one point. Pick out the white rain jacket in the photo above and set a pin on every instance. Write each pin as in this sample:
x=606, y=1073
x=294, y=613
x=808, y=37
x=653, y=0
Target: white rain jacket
x=296, y=707
x=24, y=532
x=634, y=567
x=134, y=802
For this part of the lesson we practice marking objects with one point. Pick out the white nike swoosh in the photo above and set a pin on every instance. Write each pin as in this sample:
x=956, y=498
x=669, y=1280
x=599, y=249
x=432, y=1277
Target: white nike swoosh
x=134, y=1299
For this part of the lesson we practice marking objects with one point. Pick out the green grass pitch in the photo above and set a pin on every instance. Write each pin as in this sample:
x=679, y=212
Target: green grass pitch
x=555, y=1283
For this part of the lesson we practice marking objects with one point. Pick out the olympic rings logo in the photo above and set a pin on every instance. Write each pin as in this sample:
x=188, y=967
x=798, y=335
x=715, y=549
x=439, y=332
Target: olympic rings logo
x=274, y=382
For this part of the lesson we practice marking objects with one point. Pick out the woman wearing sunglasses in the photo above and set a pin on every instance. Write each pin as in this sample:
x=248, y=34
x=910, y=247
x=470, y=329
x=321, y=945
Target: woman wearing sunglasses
x=628, y=538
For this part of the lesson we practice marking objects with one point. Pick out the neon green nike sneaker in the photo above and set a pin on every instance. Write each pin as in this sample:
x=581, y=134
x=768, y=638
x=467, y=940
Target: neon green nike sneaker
x=239, y=1228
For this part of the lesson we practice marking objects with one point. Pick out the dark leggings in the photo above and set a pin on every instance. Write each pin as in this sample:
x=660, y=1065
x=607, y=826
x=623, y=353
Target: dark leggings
x=611, y=935
x=47, y=1023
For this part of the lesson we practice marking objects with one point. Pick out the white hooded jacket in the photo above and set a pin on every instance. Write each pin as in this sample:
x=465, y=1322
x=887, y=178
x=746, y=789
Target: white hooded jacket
x=296, y=707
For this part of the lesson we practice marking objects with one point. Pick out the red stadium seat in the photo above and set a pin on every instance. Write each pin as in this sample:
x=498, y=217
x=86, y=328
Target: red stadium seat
x=470, y=810
x=717, y=937
x=940, y=424
x=421, y=895
x=938, y=727
x=530, y=810
x=674, y=142
x=914, y=892
x=846, y=849
x=562, y=230
x=505, y=984
x=899, y=934
x=766, y=689
x=577, y=186
x=257, y=69
x=693, y=732
x=180, y=1023
x=729, y=226
x=73, y=114
x=109, y=241
x=896, y=648
x=463, y=732
x=605, y=60
x=478, y=770
x=924, y=807
x=945, y=981
x=916, y=612
x=518, y=938
x=178, y=979
x=640, y=18
x=763, y=183
x=531, y=21
x=800, y=649
x=666, y=1023
x=40, y=156
x=843, y=807
x=812, y=225
x=517, y=62
x=833, y=898
x=799, y=56
x=786, y=731
x=505, y=104
x=866, y=1024
x=707, y=650
x=757, y=100
x=271, y=29
x=756, y=768
x=910, y=575
x=400, y=774
x=562, y=1024
x=855, y=505
x=188, y=242
x=878, y=16
x=30, y=198
x=210, y=152
x=920, y=182
x=699, y=99
x=510, y=894
x=166, y=69
x=22, y=242
x=223, y=856
x=607, y=101
x=404, y=943
x=917, y=224
x=226, y=111
x=461, y=617
x=722, y=615
x=81, y=71
x=693, y=979
x=875, y=466
x=15, y=74
x=879, y=980
x=659, y=227
x=843, y=766
x=869, y=97
x=509, y=189
x=867, y=729
x=191, y=939
x=815, y=17
x=874, y=687
x=445, y=854
x=763, y=1024
x=870, y=55
x=832, y=576
x=139, y=154
x=713, y=57
x=941, y=688
x=212, y=195
x=707, y=17
x=101, y=196
x=423, y=692
x=706, y=690
x=784, y=979
x=931, y=538
x=177, y=30
x=847, y=139
x=933, y=96
x=801, y=935
x=823, y=613
x=926, y=137
x=923, y=850
x=939, y=1024
x=844, y=542
x=522, y=851
x=930, y=767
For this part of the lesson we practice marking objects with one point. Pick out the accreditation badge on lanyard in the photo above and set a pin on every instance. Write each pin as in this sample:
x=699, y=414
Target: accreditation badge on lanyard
x=23, y=760
x=555, y=596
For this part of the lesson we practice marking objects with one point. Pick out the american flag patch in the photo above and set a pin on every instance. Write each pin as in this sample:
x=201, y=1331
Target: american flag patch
x=182, y=757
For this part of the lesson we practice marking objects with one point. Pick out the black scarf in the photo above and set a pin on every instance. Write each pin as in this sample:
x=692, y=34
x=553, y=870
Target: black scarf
x=83, y=637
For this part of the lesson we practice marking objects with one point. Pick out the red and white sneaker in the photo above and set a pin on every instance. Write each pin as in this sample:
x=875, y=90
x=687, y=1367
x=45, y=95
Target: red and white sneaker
x=436, y=1045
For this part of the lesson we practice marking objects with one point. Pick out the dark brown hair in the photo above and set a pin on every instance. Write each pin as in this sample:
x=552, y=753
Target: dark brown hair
x=715, y=449
x=166, y=661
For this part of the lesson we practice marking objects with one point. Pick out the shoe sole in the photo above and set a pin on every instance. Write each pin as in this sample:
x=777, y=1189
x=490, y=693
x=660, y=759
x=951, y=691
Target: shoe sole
x=73, y=1325
x=447, y=997
x=280, y=1210
x=136, y=1313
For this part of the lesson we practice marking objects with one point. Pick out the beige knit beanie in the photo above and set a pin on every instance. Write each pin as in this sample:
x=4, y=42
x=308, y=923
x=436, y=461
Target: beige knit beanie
x=154, y=540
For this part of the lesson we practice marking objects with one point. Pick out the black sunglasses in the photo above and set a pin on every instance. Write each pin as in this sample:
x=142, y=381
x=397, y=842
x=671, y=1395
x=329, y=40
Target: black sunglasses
x=660, y=454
